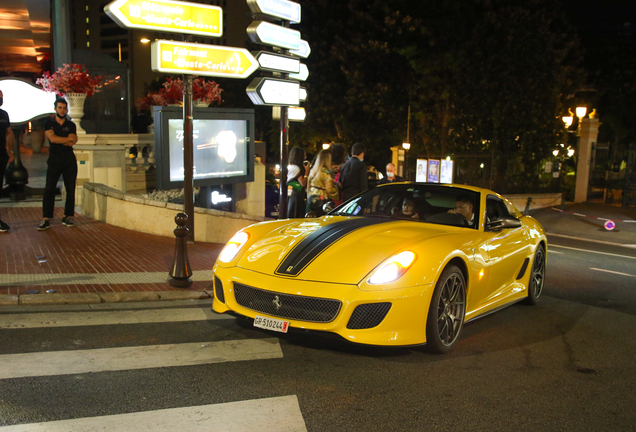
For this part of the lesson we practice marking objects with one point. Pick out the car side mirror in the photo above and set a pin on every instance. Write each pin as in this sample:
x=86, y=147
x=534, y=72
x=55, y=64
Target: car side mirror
x=503, y=223
x=328, y=206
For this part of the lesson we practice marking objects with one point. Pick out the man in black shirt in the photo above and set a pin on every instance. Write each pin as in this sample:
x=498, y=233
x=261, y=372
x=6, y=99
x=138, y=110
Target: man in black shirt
x=6, y=149
x=353, y=174
x=62, y=134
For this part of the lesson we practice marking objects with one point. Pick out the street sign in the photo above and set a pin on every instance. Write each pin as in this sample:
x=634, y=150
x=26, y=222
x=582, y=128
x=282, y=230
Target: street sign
x=200, y=59
x=609, y=225
x=167, y=16
x=303, y=49
x=293, y=113
x=272, y=91
x=270, y=34
x=303, y=94
x=283, y=9
x=302, y=75
x=277, y=62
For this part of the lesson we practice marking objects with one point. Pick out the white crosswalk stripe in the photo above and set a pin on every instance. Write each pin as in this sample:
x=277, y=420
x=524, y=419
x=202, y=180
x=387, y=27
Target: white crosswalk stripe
x=281, y=414
x=137, y=357
x=276, y=413
x=73, y=319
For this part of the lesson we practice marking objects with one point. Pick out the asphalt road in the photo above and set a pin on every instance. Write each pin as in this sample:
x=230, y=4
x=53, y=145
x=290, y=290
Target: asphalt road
x=592, y=273
x=560, y=365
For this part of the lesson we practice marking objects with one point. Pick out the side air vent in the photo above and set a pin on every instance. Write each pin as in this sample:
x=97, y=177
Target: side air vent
x=523, y=268
x=368, y=315
x=218, y=289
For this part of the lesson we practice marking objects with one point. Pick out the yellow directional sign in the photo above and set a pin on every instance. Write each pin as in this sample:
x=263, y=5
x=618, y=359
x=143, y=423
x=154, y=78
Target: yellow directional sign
x=167, y=16
x=199, y=59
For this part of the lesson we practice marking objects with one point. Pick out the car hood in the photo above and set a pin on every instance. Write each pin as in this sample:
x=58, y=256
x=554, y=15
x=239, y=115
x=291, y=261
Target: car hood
x=334, y=249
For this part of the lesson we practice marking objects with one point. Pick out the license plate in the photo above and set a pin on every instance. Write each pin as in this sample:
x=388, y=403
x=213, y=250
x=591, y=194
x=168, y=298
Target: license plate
x=271, y=324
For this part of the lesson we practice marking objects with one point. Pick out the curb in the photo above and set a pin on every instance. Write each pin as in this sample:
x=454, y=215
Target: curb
x=94, y=298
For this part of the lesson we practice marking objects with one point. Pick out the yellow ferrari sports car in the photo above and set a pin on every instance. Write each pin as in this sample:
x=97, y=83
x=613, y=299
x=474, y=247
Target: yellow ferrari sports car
x=399, y=264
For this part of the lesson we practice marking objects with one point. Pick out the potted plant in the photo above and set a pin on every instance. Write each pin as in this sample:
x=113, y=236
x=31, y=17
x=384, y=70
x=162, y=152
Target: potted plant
x=74, y=83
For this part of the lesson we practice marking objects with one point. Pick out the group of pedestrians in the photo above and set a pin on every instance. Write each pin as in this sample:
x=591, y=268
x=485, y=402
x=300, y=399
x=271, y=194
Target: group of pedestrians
x=62, y=134
x=329, y=178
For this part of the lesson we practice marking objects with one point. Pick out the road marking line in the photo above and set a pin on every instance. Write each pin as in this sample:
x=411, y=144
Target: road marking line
x=96, y=278
x=612, y=272
x=594, y=252
x=136, y=357
x=554, y=252
x=278, y=413
x=549, y=234
x=75, y=319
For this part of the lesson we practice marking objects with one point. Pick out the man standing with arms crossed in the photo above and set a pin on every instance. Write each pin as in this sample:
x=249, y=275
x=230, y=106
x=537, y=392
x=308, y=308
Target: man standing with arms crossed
x=62, y=134
x=6, y=149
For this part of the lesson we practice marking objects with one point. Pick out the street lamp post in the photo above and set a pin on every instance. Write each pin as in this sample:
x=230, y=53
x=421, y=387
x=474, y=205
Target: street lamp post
x=406, y=146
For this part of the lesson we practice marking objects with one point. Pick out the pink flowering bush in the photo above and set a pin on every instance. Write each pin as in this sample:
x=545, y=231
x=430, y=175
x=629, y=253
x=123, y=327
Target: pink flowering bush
x=71, y=78
x=172, y=93
x=206, y=91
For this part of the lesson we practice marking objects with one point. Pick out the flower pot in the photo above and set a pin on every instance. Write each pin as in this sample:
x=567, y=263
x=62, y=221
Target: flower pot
x=76, y=109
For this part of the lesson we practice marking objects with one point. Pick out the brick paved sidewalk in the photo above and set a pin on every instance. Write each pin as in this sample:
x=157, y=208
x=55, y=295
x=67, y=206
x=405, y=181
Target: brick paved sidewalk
x=92, y=257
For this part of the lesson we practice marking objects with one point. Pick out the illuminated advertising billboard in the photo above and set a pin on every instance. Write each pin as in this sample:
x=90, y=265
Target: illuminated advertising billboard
x=223, y=146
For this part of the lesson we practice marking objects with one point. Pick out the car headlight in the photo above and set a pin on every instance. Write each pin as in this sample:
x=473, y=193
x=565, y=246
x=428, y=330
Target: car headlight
x=393, y=268
x=233, y=246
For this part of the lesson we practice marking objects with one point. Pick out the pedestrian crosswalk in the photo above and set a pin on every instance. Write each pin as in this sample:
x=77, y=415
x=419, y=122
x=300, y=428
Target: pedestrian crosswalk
x=280, y=414
x=277, y=413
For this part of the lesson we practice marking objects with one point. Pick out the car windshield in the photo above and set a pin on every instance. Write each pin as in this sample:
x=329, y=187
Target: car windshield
x=418, y=202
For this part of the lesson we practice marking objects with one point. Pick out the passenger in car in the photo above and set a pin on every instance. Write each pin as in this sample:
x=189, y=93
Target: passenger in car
x=407, y=210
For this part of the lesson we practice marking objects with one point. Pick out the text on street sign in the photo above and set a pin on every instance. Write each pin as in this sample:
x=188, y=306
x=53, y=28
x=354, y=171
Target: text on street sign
x=270, y=34
x=276, y=62
x=200, y=59
x=283, y=9
x=272, y=91
x=167, y=16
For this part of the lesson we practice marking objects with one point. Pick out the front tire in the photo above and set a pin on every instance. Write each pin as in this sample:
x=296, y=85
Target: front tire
x=537, y=277
x=446, y=312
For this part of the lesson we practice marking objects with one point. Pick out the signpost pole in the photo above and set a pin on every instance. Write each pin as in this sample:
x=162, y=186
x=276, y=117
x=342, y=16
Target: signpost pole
x=284, y=146
x=188, y=153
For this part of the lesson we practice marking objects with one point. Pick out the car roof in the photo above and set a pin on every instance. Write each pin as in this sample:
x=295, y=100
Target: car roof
x=450, y=185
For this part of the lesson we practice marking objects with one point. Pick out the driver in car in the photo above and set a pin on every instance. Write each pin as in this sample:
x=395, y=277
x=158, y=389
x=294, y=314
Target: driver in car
x=464, y=207
x=407, y=210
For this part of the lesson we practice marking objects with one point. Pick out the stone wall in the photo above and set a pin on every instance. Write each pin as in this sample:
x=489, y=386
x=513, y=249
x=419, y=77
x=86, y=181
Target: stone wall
x=134, y=212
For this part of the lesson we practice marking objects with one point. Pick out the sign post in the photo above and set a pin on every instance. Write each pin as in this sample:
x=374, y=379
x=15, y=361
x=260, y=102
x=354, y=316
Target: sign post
x=188, y=58
x=279, y=92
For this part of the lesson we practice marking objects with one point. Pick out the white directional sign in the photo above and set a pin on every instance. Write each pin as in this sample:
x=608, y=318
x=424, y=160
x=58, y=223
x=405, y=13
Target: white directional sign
x=303, y=94
x=277, y=62
x=303, y=49
x=302, y=75
x=270, y=34
x=282, y=9
x=293, y=113
x=272, y=91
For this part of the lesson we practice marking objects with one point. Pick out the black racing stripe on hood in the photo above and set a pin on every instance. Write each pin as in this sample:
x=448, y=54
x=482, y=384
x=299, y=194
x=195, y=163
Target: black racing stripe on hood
x=318, y=241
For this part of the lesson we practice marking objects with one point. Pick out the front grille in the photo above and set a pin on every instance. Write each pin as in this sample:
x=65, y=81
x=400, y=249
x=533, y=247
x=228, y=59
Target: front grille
x=368, y=315
x=218, y=289
x=287, y=306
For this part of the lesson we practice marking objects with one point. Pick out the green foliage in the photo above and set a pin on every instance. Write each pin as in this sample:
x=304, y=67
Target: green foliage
x=481, y=77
